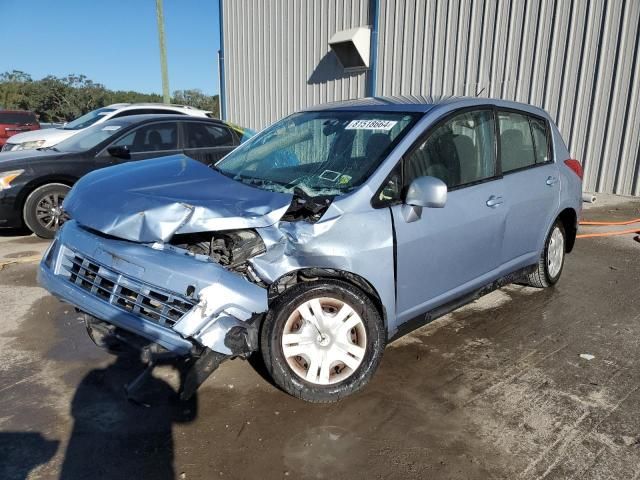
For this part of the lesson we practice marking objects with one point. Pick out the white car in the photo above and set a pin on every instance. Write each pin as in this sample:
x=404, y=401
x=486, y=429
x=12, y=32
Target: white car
x=51, y=136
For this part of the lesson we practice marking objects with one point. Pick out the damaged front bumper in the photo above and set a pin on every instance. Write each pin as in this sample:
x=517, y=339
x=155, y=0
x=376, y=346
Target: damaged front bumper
x=166, y=295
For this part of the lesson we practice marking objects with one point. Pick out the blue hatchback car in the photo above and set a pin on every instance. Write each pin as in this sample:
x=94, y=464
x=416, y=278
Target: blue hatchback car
x=321, y=239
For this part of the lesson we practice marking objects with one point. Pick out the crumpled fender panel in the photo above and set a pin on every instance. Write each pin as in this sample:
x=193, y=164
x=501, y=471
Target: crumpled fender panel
x=358, y=242
x=151, y=200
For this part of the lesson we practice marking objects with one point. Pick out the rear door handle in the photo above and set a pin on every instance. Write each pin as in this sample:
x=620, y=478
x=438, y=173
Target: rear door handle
x=552, y=180
x=494, y=201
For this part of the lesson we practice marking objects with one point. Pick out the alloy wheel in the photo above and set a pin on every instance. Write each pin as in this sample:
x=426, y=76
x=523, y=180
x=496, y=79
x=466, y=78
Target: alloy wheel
x=49, y=212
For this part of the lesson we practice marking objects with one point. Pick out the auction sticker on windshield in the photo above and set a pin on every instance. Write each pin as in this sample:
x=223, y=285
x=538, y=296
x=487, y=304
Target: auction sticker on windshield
x=371, y=125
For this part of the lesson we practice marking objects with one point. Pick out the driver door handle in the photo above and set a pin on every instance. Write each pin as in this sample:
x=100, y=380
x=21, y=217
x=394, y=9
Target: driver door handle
x=494, y=201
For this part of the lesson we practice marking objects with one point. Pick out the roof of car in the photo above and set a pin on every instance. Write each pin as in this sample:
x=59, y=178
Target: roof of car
x=153, y=105
x=148, y=117
x=411, y=103
x=25, y=112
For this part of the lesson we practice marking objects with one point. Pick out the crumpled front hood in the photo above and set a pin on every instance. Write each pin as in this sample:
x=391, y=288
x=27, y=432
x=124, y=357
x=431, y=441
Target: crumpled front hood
x=151, y=200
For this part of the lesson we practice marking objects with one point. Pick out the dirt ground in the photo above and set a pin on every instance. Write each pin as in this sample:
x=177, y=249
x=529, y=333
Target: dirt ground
x=497, y=389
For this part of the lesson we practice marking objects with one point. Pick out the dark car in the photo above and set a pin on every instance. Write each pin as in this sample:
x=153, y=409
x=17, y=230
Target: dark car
x=13, y=122
x=33, y=183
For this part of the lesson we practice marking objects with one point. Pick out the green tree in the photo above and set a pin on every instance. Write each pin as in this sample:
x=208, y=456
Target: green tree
x=60, y=99
x=196, y=98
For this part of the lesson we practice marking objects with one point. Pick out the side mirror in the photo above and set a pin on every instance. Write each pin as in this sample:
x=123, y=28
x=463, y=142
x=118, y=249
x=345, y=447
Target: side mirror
x=430, y=192
x=119, y=151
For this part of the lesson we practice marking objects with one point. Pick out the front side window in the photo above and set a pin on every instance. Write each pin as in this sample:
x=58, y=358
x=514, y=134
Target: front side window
x=201, y=135
x=88, y=119
x=319, y=153
x=516, y=141
x=459, y=151
x=151, y=138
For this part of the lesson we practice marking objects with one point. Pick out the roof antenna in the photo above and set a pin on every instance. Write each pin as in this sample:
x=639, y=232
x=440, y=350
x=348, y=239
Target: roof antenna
x=480, y=92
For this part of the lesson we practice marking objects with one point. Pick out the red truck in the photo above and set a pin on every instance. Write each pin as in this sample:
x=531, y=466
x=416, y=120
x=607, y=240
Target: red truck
x=16, y=121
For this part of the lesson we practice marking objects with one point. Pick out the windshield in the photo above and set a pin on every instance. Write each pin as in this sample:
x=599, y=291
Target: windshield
x=88, y=119
x=17, y=118
x=90, y=137
x=319, y=153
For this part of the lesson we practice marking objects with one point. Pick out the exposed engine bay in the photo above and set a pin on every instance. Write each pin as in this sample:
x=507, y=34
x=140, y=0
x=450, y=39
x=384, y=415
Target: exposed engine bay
x=231, y=249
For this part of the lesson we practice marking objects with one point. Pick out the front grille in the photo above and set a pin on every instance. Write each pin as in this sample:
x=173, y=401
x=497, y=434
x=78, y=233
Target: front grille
x=126, y=293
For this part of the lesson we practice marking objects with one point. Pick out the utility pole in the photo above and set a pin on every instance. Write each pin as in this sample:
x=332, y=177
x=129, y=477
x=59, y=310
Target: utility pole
x=163, y=53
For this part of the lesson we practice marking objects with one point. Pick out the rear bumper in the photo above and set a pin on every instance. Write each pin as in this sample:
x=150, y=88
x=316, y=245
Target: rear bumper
x=127, y=282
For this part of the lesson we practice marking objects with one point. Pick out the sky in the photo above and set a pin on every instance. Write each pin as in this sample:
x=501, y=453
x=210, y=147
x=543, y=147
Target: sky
x=113, y=42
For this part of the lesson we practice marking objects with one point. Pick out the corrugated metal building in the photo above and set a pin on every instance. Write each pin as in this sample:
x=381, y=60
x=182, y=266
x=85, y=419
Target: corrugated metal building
x=578, y=59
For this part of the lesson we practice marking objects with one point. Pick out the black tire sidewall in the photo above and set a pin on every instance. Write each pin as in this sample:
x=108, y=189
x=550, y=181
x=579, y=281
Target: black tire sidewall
x=271, y=335
x=29, y=210
x=553, y=280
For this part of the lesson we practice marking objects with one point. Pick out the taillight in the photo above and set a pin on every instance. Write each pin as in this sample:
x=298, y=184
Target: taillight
x=575, y=166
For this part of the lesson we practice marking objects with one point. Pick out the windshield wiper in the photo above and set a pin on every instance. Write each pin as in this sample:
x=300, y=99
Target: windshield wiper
x=258, y=181
x=42, y=149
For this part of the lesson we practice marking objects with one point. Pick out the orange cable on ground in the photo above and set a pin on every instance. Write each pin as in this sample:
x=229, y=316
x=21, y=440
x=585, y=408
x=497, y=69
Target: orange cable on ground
x=613, y=233
x=626, y=222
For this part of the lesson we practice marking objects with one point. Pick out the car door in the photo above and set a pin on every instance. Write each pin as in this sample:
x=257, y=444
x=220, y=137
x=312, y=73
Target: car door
x=150, y=140
x=531, y=182
x=207, y=142
x=452, y=250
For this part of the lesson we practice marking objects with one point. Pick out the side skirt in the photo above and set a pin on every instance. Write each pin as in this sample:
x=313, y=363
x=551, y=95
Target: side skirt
x=428, y=317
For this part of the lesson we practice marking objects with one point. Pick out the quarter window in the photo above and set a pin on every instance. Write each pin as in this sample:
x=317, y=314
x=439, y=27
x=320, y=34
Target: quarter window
x=516, y=142
x=200, y=135
x=460, y=151
x=540, y=139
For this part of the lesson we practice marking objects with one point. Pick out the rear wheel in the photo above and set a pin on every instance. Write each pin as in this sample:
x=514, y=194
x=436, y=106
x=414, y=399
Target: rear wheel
x=43, y=212
x=322, y=340
x=551, y=262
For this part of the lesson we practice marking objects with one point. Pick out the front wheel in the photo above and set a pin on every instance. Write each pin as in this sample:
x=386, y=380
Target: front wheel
x=322, y=340
x=43, y=212
x=551, y=262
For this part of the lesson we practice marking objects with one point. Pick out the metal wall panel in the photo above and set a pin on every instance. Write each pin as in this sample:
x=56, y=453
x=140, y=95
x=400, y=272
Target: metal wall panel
x=578, y=59
x=276, y=58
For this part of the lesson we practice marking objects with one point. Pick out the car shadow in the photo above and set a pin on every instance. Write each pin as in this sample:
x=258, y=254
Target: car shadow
x=21, y=452
x=115, y=438
x=15, y=232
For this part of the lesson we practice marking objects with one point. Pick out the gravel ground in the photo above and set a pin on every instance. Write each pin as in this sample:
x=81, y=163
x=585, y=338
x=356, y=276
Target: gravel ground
x=499, y=389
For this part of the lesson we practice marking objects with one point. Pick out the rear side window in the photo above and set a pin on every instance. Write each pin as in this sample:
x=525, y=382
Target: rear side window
x=201, y=135
x=459, y=151
x=16, y=118
x=151, y=138
x=516, y=141
x=540, y=139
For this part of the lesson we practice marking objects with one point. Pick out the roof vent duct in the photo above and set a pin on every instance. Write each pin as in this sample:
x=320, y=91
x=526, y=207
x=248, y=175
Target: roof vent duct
x=352, y=47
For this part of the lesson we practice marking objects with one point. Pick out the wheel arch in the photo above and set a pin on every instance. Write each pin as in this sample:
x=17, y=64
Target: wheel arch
x=309, y=274
x=569, y=219
x=29, y=188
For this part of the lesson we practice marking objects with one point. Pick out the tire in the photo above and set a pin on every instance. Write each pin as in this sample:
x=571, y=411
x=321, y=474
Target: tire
x=42, y=210
x=361, y=332
x=551, y=262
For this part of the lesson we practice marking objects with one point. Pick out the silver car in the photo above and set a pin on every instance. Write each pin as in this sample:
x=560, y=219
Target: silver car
x=321, y=239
